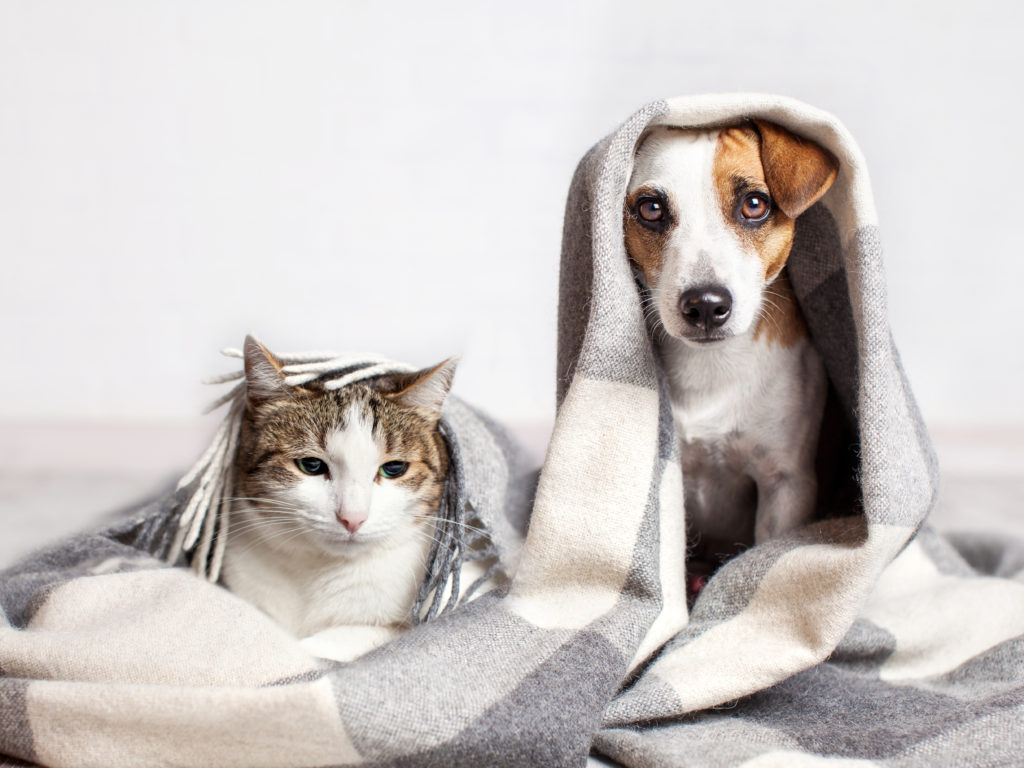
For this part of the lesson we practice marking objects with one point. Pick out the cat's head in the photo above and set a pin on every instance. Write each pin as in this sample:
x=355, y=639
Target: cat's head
x=345, y=469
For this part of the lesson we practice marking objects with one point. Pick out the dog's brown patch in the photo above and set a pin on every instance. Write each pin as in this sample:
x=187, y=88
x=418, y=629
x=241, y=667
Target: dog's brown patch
x=643, y=244
x=798, y=171
x=738, y=171
x=781, y=321
x=756, y=157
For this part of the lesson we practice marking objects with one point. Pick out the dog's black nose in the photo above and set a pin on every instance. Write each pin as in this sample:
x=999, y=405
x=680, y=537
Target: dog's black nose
x=706, y=307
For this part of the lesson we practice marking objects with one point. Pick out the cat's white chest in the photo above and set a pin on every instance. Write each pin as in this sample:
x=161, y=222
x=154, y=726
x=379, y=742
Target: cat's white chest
x=307, y=592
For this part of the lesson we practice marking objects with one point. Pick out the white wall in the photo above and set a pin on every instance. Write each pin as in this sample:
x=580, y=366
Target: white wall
x=391, y=176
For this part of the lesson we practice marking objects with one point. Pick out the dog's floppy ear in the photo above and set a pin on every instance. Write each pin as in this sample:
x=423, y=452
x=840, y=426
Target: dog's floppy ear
x=797, y=170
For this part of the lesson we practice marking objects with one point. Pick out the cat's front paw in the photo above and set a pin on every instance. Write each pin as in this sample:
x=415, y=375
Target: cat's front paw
x=348, y=642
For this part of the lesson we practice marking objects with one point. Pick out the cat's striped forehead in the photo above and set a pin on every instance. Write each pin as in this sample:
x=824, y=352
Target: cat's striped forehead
x=308, y=422
x=312, y=415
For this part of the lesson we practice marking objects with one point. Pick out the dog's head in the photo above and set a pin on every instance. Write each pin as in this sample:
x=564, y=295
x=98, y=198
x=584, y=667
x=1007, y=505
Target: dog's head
x=709, y=218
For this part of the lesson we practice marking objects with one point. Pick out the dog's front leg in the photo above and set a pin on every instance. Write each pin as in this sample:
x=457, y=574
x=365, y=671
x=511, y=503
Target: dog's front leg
x=785, y=501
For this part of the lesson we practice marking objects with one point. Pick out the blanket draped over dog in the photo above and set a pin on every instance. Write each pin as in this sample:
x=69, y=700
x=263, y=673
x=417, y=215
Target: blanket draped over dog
x=865, y=636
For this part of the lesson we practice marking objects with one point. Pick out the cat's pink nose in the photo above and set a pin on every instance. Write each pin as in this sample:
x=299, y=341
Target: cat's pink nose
x=351, y=522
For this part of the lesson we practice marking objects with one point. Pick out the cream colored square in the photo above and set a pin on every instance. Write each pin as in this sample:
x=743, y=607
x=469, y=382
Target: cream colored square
x=793, y=759
x=590, y=505
x=940, y=621
x=800, y=611
x=154, y=626
x=82, y=725
x=673, y=616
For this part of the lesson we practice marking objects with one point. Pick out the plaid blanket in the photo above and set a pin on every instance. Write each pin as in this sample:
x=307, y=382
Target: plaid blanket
x=863, y=639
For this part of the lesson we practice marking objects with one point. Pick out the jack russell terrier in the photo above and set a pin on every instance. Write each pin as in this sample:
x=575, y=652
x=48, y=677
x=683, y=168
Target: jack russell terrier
x=709, y=219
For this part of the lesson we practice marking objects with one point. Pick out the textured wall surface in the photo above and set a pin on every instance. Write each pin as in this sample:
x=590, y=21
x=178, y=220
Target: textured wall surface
x=391, y=177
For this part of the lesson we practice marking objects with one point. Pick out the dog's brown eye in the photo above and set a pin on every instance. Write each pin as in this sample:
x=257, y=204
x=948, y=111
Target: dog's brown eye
x=755, y=206
x=650, y=209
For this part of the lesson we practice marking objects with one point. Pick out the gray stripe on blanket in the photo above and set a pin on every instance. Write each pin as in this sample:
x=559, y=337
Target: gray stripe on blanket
x=976, y=722
x=561, y=717
x=639, y=600
x=730, y=590
x=305, y=677
x=410, y=713
x=990, y=554
x=819, y=279
x=644, y=577
x=864, y=648
x=924, y=440
x=503, y=481
x=28, y=584
x=726, y=596
x=668, y=446
x=898, y=464
x=995, y=740
x=945, y=557
x=574, y=280
x=879, y=719
x=725, y=742
x=15, y=727
x=615, y=346
x=985, y=675
x=816, y=254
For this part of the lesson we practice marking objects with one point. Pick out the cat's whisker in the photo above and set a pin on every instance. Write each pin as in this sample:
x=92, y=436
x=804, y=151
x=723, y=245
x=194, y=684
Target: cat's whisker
x=427, y=537
x=431, y=535
x=424, y=536
x=277, y=538
x=263, y=500
x=466, y=526
x=268, y=513
x=251, y=508
x=268, y=525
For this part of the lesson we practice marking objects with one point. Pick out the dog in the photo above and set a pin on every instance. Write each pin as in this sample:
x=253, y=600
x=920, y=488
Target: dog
x=709, y=219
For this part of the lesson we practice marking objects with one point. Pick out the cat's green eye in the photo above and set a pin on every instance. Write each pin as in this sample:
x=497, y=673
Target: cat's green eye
x=311, y=466
x=393, y=469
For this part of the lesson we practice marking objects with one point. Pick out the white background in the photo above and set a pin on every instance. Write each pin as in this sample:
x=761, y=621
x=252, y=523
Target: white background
x=391, y=177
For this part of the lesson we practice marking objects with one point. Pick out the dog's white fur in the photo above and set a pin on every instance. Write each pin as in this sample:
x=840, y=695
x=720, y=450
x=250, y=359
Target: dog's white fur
x=744, y=409
x=702, y=249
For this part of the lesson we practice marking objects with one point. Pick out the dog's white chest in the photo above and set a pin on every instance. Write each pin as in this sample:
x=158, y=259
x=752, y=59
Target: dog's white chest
x=738, y=391
x=746, y=414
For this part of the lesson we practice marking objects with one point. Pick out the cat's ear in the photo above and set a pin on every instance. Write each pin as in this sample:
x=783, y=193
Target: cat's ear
x=263, y=376
x=426, y=389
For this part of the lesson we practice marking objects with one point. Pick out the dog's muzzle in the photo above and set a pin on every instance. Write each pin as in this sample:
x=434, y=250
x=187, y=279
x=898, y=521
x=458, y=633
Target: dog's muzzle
x=706, y=308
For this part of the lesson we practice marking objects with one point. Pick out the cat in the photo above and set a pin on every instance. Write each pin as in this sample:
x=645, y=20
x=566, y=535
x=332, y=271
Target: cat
x=336, y=496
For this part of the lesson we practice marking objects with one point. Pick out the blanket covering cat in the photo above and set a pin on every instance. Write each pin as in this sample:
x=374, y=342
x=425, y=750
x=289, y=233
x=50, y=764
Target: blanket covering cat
x=866, y=636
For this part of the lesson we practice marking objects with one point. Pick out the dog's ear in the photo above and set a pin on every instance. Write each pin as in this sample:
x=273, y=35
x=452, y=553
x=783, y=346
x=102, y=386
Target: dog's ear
x=797, y=170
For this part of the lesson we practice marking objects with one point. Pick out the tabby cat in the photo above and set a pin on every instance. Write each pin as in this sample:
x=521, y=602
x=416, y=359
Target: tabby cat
x=336, y=498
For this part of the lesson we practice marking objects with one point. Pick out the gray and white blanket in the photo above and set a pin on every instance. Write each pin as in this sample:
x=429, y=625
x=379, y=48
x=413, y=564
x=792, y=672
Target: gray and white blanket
x=864, y=639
